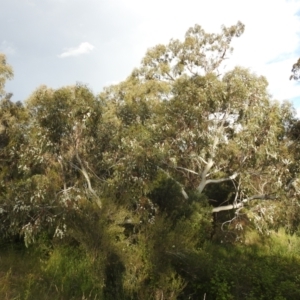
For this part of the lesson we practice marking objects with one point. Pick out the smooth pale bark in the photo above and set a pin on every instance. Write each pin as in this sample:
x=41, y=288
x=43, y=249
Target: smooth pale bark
x=242, y=202
x=203, y=181
x=210, y=161
x=222, y=179
x=87, y=178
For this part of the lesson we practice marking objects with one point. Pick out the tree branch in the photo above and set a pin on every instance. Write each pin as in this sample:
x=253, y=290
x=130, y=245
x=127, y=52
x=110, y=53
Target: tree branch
x=87, y=178
x=203, y=181
x=210, y=161
x=188, y=170
x=242, y=202
x=170, y=76
x=222, y=179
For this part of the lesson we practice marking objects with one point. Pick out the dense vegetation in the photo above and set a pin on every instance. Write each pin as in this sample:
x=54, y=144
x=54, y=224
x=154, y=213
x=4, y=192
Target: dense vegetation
x=180, y=182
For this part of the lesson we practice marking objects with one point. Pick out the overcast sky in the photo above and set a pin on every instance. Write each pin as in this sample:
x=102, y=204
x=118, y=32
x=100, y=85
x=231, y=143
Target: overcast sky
x=99, y=42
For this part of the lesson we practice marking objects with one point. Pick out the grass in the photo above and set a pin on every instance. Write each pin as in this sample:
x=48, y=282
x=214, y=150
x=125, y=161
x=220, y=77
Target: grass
x=19, y=270
x=260, y=268
x=63, y=274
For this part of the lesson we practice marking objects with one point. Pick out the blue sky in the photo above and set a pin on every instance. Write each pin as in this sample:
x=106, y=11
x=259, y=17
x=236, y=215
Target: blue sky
x=61, y=42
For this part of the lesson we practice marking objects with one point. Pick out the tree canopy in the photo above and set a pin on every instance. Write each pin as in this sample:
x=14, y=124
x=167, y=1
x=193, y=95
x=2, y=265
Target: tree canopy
x=154, y=167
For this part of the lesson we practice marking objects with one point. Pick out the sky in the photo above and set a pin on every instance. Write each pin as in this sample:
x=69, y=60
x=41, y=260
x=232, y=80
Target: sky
x=99, y=42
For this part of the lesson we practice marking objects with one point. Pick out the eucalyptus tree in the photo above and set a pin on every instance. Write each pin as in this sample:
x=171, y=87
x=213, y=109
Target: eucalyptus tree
x=201, y=128
x=50, y=147
x=154, y=156
x=12, y=118
x=295, y=70
x=6, y=73
x=67, y=121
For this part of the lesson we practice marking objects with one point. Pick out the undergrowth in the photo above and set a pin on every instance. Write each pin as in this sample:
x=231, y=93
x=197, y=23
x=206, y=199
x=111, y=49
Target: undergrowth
x=261, y=269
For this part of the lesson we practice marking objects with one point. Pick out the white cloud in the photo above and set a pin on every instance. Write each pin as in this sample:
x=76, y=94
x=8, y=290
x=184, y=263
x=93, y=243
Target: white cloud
x=83, y=48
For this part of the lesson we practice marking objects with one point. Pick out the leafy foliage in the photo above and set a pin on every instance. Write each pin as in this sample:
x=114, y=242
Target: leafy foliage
x=295, y=70
x=154, y=188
